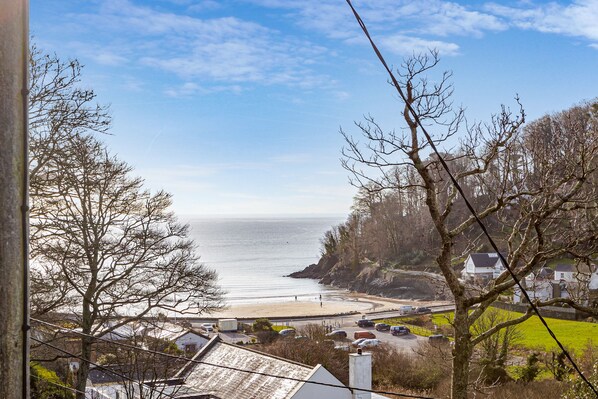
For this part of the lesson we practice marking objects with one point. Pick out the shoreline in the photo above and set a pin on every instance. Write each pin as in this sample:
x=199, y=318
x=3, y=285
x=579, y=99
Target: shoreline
x=332, y=304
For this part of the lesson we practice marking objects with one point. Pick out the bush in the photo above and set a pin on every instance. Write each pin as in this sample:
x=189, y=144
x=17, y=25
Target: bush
x=530, y=371
x=423, y=370
x=44, y=384
x=262, y=325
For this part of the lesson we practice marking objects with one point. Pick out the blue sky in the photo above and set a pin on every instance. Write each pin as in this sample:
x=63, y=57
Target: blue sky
x=235, y=106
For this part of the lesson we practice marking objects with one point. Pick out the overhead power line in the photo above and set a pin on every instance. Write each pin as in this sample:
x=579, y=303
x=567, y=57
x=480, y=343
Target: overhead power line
x=195, y=361
x=465, y=199
x=101, y=367
x=58, y=385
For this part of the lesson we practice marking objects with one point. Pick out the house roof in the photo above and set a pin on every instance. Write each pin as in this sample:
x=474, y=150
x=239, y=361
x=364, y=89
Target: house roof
x=484, y=259
x=229, y=382
x=563, y=268
x=545, y=273
x=172, y=332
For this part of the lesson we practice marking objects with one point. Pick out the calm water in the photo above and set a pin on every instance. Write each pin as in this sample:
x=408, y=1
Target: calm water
x=253, y=255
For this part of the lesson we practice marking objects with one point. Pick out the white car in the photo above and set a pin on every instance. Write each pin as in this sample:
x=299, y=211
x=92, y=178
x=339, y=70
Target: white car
x=368, y=343
x=208, y=327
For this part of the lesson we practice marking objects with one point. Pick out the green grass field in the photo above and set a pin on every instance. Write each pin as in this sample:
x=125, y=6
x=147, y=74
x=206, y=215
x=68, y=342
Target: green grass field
x=575, y=335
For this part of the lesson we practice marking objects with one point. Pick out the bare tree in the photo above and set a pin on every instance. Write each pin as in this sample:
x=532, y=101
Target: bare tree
x=537, y=194
x=117, y=249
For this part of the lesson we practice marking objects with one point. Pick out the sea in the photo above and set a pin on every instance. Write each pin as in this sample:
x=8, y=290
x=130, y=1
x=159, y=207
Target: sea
x=253, y=256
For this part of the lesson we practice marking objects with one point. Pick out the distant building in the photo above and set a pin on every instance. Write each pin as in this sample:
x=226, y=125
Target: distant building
x=482, y=267
x=186, y=339
x=564, y=272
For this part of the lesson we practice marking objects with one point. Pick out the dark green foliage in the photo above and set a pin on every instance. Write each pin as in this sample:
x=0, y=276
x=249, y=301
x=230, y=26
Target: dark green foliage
x=557, y=365
x=531, y=369
x=262, y=325
x=44, y=384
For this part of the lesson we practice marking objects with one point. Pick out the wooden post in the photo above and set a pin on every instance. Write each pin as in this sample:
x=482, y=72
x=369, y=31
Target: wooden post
x=14, y=313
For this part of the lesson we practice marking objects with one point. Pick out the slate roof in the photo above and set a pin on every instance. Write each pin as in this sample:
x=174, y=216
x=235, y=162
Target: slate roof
x=172, y=332
x=484, y=259
x=564, y=268
x=230, y=383
x=545, y=273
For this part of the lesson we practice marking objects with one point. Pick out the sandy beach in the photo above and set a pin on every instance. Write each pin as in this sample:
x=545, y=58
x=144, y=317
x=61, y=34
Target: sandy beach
x=330, y=305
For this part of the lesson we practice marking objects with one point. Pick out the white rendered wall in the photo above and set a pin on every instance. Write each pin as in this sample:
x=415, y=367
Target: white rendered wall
x=312, y=391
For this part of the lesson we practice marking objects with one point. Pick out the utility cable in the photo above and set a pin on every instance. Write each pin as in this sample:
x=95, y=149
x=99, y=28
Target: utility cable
x=133, y=347
x=101, y=367
x=467, y=203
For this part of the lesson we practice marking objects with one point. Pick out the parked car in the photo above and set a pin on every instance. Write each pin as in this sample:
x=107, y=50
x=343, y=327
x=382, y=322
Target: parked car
x=363, y=334
x=287, y=332
x=337, y=334
x=382, y=327
x=399, y=330
x=356, y=343
x=369, y=343
x=423, y=310
x=207, y=327
x=365, y=323
x=438, y=339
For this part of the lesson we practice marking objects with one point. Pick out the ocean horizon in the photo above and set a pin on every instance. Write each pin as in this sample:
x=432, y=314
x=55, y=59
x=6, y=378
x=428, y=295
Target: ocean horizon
x=253, y=254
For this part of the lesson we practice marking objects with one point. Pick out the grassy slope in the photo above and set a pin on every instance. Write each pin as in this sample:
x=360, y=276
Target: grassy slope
x=573, y=334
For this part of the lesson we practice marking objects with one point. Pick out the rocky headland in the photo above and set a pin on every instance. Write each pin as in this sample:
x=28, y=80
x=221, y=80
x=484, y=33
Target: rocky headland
x=372, y=279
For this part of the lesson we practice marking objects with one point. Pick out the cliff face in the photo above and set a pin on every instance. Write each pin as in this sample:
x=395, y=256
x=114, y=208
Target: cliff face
x=370, y=279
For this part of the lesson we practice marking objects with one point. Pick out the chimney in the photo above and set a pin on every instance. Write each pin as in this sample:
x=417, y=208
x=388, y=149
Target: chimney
x=360, y=374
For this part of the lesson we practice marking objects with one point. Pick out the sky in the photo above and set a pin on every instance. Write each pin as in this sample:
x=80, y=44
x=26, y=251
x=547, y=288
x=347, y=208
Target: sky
x=235, y=106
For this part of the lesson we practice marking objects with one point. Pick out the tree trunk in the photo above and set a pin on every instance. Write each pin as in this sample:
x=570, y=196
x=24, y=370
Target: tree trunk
x=83, y=371
x=461, y=353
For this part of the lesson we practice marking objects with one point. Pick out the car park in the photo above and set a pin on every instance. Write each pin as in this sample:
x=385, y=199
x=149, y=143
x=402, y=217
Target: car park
x=363, y=334
x=399, y=330
x=382, y=327
x=287, y=332
x=365, y=323
x=369, y=343
x=423, y=310
x=337, y=334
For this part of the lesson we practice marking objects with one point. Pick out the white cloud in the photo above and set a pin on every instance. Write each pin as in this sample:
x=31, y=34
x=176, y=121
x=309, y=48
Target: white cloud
x=405, y=45
x=205, y=50
x=389, y=17
x=578, y=19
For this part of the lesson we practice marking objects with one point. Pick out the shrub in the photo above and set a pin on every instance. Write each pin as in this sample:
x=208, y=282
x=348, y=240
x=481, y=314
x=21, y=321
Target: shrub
x=44, y=384
x=262, y=325
x=422, y=370
x=530, y=371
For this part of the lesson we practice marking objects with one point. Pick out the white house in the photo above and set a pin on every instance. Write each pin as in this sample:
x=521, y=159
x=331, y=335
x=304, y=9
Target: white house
x=564, y=272
x=538, y=285
x=482, y=266
x=186, y=339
